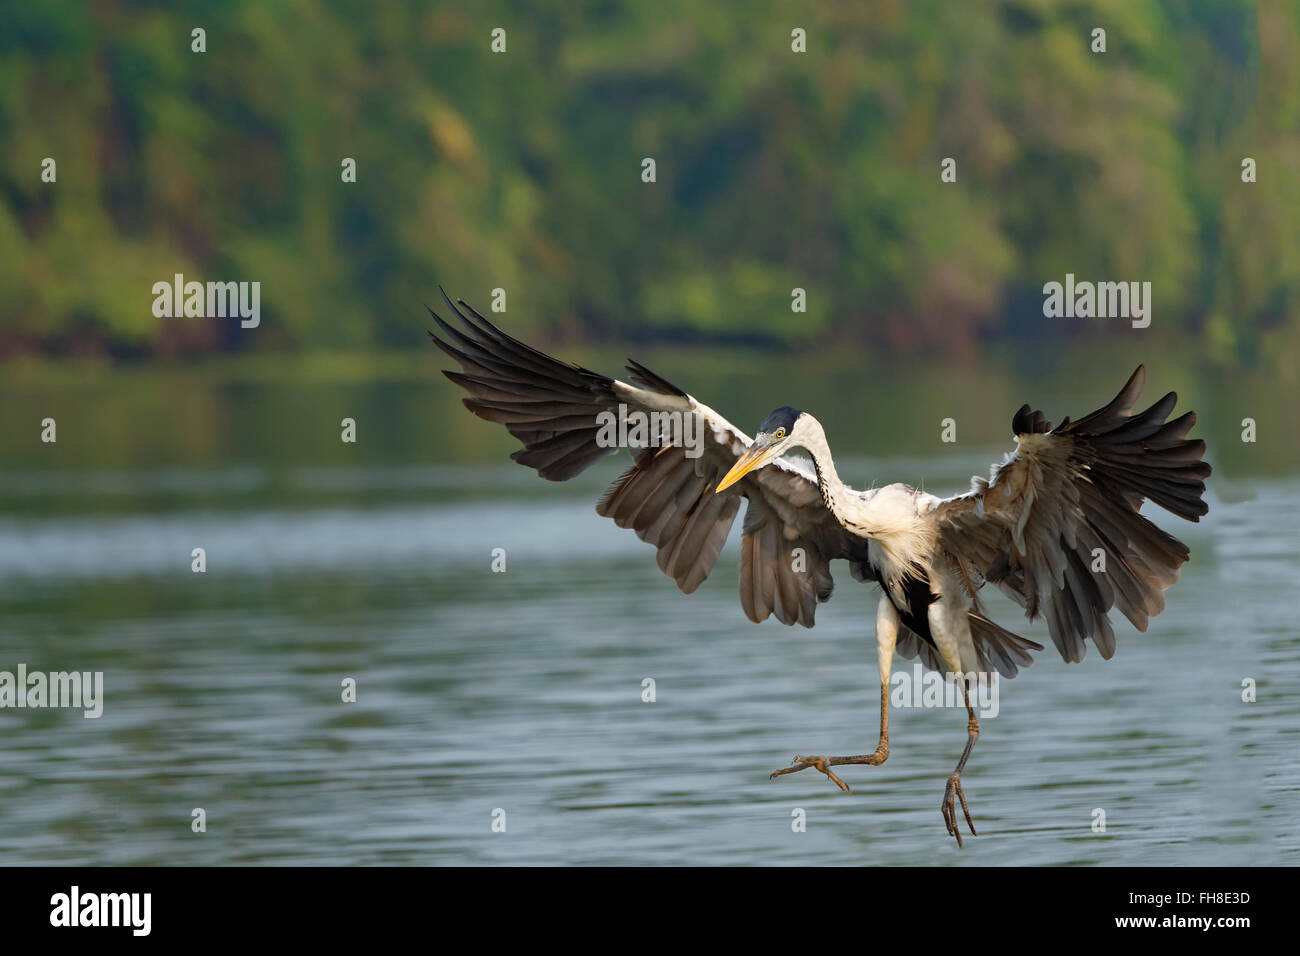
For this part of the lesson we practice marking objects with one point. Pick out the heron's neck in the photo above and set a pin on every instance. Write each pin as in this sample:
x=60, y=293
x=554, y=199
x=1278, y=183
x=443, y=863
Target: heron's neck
x=828, y=480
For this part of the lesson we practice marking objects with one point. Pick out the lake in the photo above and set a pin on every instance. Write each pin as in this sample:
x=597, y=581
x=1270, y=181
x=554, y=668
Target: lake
x=521, y=691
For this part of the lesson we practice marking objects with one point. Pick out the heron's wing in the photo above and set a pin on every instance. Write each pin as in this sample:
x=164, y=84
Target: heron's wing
x=562, y=414
x=1056, y=527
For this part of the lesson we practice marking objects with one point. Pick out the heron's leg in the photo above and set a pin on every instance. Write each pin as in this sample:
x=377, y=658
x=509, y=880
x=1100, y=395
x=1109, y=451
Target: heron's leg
x=953, y=789
x=886, y=638
x=824, y=764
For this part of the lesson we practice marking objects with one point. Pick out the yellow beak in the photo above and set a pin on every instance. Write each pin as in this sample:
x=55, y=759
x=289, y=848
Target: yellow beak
x=753, y=457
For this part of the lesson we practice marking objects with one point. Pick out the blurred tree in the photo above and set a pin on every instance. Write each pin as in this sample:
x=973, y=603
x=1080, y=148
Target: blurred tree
x=522, y=170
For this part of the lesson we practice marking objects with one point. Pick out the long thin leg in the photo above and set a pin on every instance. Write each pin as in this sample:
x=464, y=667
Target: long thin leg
x=886, y=638
x=953, y=788
x=824, y=764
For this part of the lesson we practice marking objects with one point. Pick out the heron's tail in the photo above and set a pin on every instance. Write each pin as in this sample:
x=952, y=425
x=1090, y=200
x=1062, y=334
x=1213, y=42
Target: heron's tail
x=996, y=647
x=999, y=648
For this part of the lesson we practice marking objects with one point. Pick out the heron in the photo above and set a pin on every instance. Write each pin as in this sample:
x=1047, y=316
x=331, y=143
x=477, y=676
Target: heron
x=1056, y=526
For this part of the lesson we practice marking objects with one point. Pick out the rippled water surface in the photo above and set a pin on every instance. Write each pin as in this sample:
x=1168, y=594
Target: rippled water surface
x=523, y=690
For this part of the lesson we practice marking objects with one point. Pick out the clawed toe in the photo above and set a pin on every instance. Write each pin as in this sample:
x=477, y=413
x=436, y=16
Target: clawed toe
x=803, y=763
x=949, y=809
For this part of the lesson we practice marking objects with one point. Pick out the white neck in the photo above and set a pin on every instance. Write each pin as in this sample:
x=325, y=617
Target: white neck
x=809, y=435
x=887, y=516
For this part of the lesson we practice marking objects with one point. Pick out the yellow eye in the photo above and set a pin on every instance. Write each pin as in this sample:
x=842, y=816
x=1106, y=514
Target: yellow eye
x=779, y=433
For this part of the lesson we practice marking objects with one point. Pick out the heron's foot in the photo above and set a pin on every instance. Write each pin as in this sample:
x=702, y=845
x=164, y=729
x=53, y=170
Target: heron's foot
x=949, y=810
x=803, y=763
x=824, y=764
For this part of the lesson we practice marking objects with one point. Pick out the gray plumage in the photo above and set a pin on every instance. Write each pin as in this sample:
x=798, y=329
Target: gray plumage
x=1033, y=529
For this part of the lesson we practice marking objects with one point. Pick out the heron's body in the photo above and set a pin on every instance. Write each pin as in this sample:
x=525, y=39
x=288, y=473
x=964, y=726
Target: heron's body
x=1056, y=526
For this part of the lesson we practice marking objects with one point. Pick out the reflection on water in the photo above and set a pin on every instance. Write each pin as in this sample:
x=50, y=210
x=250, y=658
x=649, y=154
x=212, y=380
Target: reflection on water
x=522, y=691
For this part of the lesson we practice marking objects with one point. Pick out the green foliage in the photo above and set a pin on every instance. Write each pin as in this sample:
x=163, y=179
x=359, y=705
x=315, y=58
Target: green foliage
x=522, y=170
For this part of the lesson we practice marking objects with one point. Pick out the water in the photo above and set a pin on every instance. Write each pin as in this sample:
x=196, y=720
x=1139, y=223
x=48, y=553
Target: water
x=522, y=691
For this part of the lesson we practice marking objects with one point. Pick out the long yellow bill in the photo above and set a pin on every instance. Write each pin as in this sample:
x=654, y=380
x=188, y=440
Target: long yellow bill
x=754, y=456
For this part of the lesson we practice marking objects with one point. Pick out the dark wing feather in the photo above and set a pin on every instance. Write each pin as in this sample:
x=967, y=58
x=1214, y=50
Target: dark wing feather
x=667, y=497
x=1070, y=494
x=790, y=538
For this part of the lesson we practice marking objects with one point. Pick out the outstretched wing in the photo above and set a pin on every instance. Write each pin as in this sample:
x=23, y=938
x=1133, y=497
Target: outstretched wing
x=561, y=413
x=1057, y=526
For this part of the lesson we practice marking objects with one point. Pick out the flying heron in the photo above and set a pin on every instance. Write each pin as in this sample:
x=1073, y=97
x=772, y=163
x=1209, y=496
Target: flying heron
x=1056, y=526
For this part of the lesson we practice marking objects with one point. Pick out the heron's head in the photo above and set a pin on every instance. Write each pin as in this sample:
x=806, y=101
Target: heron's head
x=779, y=432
